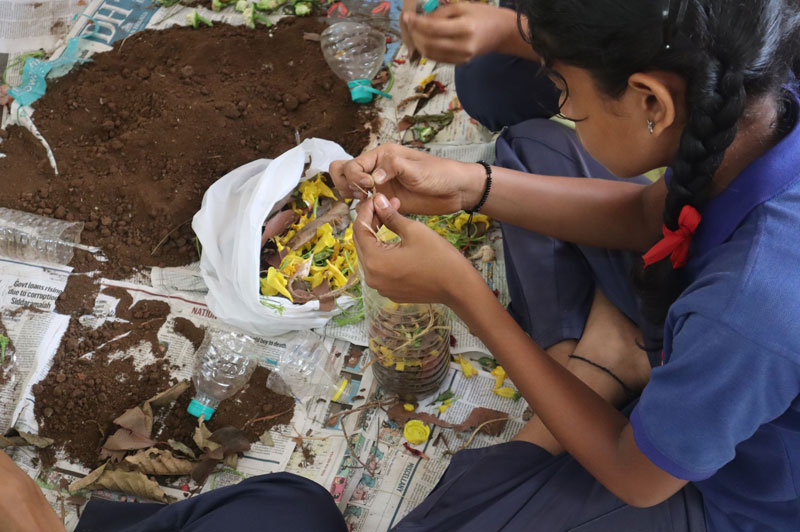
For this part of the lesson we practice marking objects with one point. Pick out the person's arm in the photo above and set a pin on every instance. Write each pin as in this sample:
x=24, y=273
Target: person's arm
x=23, y=507
x=457, y=33
x=589, y=428
x=595, y=212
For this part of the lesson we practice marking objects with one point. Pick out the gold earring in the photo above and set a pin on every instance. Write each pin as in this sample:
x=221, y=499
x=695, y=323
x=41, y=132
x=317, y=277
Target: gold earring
x=651, y=126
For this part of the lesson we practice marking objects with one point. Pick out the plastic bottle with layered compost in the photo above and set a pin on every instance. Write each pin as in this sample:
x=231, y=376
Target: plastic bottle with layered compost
x=411, y=342
x=224, y=364
x=306, y=370
x=355, y=53
x=33, y=238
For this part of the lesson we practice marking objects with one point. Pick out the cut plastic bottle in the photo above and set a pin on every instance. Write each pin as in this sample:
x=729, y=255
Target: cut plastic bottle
x=355, y=51
x=306, y=370
x=34, y=238
x=224, y=364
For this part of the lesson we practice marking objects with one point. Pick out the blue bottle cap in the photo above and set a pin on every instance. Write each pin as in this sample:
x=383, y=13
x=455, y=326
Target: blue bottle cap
x=198, y=409
x=430, y=6
x=359, y=90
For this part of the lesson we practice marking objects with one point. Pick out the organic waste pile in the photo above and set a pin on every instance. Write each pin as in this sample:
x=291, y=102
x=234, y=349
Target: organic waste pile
x=139, y=133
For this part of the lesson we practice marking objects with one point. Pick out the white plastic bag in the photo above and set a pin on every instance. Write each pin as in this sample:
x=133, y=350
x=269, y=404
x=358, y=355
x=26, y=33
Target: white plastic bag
x=228, y=226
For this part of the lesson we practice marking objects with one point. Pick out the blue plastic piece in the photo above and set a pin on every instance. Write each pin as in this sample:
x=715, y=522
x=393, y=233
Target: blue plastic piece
x=198, y=409
x=430, y=5
x=361, y=91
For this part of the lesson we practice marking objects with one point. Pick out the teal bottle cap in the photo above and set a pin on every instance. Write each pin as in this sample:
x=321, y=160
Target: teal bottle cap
x=430, y=6
x=198, y=409
x=361, y=91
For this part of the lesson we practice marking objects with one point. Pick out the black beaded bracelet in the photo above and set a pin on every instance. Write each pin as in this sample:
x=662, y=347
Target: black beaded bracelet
x=486, y=190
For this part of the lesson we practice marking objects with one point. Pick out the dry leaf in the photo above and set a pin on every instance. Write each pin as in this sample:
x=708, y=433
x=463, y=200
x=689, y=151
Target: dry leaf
x=167, y=396
x=132, y=482
x=182, y=448
x=125, y=440
x=36, y=440
x=114, y=457
x=13, y=441
x=88, y=480
x=231, y=440
x=266, y=439
x=158, y=462
x=231, y=461
x=138, y=420
x=201, y=437
x=203, y=468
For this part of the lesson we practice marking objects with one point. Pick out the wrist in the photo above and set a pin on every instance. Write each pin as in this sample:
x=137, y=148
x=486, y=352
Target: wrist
x=474, y=185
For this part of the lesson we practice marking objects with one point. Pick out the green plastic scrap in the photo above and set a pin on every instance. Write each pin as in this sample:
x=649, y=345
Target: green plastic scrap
x=194, y=20
x=4, y=340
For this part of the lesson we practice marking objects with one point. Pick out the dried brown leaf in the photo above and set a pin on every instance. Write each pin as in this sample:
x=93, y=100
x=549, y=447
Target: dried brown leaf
x=159, y=462
x=475, y=418
x=88, y=480
x=132, y=482
x=231, y=440
x=114, y=457
x=35, y=440
x=266, y=439
x=203, y=468
x=231, y=461
x=167, y=396
x=12, y=441
x=278, y=225
x=201, y=437
x=182, y=448
x=138, y=420
x=125, y=440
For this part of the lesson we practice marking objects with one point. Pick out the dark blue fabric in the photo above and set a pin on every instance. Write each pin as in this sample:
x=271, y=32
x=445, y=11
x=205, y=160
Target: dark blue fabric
x=500, y=90
x=551, y=283
x=724, y=410
x=518, y=486
x=278, y=502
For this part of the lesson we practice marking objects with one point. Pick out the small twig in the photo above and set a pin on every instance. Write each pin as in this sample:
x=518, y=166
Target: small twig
x=267, y=418
x=99, y=428
x=352, y=449
x=167, y=236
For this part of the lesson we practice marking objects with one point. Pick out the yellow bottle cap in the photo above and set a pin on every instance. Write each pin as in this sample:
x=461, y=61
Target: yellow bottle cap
x=416, y=432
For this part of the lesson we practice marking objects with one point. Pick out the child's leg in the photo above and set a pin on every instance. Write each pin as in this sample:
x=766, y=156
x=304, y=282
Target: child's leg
x=552, y=283
x=500, y=90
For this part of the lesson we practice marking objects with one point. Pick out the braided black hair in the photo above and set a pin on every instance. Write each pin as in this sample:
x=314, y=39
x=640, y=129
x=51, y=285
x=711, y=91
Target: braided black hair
x=729, y=51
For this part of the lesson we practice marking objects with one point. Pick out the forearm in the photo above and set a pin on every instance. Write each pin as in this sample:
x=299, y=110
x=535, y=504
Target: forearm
x=595, y=212
x=590, y=429
x=513, y=42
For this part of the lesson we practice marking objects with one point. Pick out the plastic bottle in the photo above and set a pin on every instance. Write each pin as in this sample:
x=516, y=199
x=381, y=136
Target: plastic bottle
x=355, y=51
x=34, y=238
x=224, y=364
x=306, y=370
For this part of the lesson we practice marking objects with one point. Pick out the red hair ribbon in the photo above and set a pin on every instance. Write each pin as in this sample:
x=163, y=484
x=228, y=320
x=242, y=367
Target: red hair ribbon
x=675, y=243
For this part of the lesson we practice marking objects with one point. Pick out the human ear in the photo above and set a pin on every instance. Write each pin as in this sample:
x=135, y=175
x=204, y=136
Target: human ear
x=656, y=97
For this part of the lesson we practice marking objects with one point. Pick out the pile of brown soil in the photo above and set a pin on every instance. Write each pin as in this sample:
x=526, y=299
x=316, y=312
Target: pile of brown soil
x=140, y=132
x=79, y=399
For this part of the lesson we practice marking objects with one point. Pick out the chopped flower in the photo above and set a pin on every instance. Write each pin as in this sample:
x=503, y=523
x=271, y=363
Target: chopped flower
x=499, y=376
x=325, y=238
x=444, y=406
x=340, y=279
x=416, y=432
x=400, y=366
x=387, y=235
x=274, y=284
x=467, y=368
x=507, y=392
x=463, y=218
x=425, y=81
x=311, y=190
x=408, y=407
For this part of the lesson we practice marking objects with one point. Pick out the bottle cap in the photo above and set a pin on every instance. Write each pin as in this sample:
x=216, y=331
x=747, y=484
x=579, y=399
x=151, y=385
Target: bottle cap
x=361, y=91
x=198, y=409
x=430, y=6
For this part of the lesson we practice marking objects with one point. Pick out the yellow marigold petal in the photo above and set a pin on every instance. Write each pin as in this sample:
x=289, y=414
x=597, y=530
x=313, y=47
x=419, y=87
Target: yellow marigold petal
x=408, y=407
x=416, y=432
x=341, y=280
x=444, y=407
x=277, y=281
x=467, y=368
x=510, y=393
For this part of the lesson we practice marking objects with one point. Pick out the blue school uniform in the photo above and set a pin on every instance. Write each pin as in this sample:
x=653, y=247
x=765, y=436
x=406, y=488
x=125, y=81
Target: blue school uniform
x=724, y=410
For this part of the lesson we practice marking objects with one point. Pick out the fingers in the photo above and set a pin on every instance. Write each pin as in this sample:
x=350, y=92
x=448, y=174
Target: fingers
x=388, y=214
x=352, y=178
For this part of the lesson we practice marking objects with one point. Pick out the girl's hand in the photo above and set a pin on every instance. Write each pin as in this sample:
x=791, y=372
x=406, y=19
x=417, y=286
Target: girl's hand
x=424, y=184
x=422, y=268
x=23, y=507
x=457, y=33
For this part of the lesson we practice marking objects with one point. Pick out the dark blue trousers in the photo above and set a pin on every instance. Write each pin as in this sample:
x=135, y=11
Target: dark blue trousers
x=279, y=502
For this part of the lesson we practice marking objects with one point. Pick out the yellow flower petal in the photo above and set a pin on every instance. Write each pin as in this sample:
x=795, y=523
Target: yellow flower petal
x=278, y=282
x=416, y=432
x=509, y=393
x=499, y=376
x=444, y=407
x=467, y=368
x=340, y=279
x=400, y=366
x=408, y=407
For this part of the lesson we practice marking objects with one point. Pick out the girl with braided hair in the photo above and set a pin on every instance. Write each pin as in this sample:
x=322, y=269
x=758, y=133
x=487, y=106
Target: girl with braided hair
x=708, y=89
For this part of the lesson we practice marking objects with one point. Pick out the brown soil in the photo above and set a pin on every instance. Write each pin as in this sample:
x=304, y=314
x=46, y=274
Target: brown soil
x=140, y=132
x=190, y=331
x=78, y=296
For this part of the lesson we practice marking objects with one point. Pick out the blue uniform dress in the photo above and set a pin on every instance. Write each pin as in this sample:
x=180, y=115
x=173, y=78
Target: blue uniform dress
x=723, y=411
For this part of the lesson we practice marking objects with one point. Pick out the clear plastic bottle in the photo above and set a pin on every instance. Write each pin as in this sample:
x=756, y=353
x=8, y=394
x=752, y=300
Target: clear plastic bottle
x=224, y=364
x=35, y=238
x=355, y=51
x=306, y=370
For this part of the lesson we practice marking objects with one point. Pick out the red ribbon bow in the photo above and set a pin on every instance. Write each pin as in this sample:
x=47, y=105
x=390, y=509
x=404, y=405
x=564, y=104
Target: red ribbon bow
x=675, y=243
